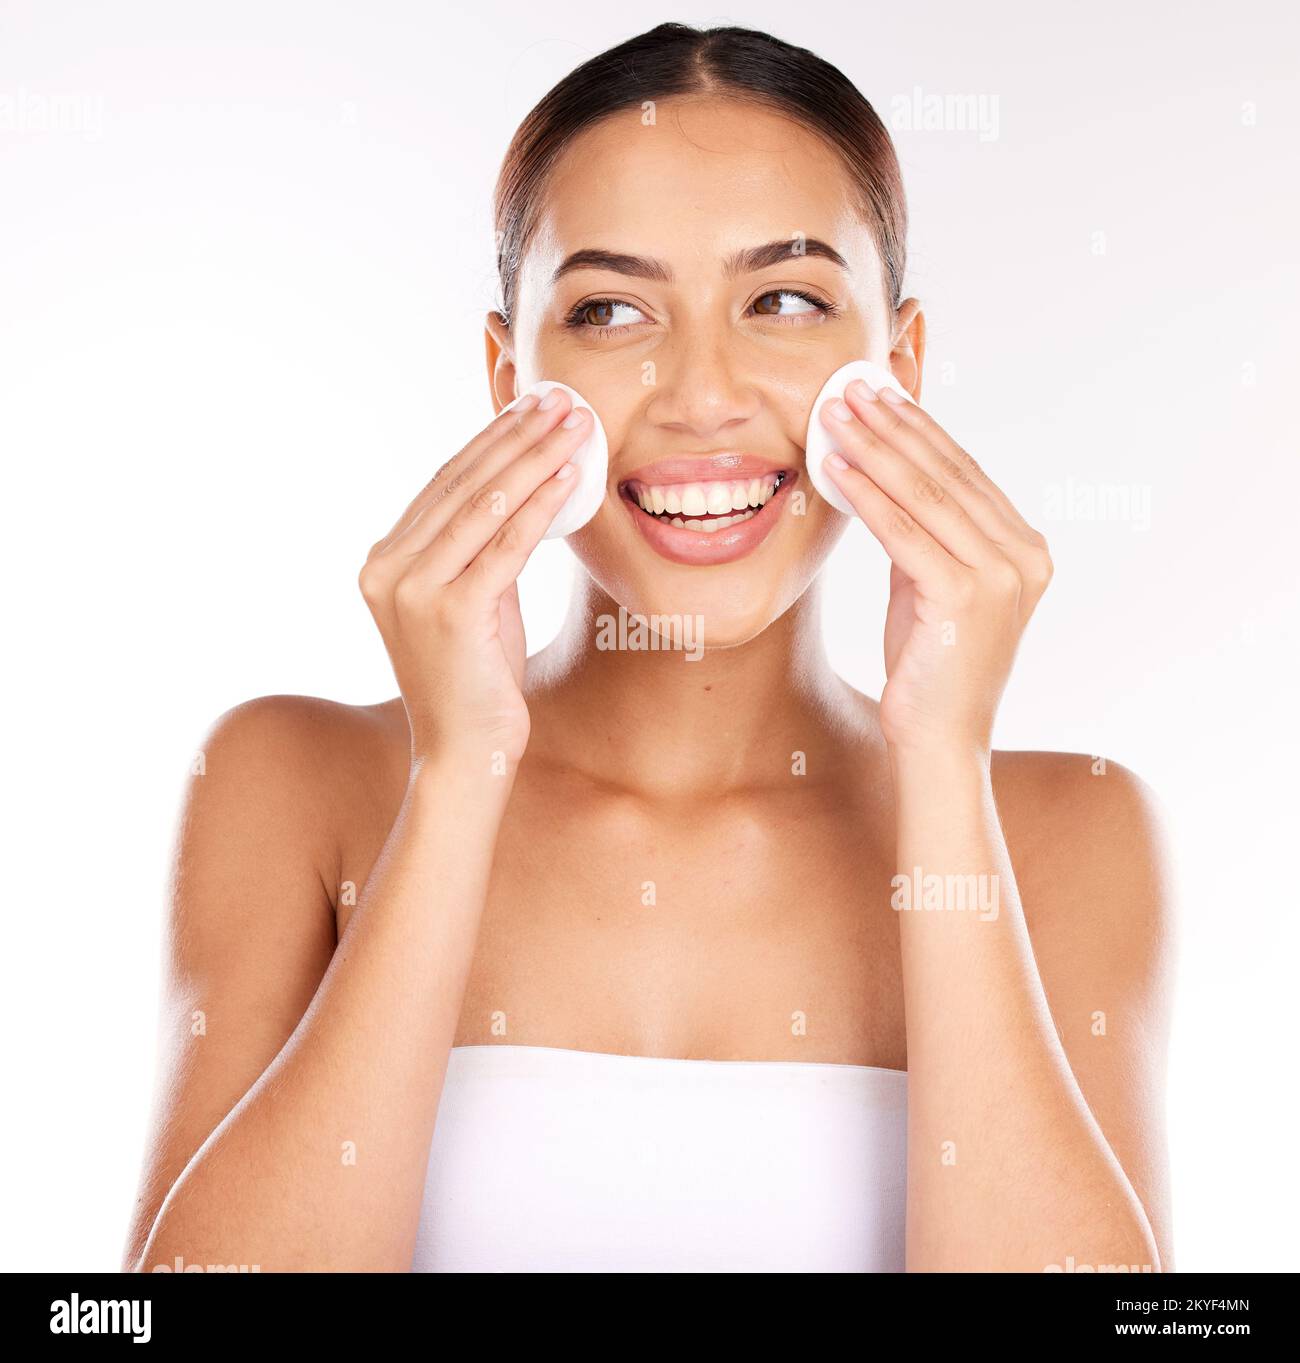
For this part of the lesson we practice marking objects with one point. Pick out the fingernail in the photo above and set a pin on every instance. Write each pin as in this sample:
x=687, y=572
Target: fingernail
x=892, y=395
x=839, y=410
x=575, y=418
x=566, y=472
x=860, y=388
x=550, y=400
x=837, y=461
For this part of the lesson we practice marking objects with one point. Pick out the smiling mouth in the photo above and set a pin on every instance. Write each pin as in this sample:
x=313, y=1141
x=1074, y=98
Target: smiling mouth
x=705, y=507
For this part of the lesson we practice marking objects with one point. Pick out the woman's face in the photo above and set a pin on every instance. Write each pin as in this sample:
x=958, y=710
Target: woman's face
x=697, y=279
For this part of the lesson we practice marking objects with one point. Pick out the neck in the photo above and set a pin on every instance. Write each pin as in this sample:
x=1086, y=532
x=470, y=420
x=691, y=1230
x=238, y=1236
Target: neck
x=681, y=721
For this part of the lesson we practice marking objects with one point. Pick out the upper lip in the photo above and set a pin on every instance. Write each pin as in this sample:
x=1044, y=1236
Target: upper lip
x=722, y=466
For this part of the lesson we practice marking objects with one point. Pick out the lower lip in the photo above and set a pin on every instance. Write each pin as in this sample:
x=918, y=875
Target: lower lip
x=701, y=548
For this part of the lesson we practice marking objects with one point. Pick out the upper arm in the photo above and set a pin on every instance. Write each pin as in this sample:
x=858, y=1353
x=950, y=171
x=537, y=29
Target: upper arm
x=250, y=927
x=1095, y=881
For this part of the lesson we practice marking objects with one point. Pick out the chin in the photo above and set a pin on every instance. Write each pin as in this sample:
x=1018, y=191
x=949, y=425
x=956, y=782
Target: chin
x=711, y=625
x=713, y=609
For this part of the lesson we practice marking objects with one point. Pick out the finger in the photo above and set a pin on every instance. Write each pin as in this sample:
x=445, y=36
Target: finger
x=502, y=559
x=514, y=429
x=515, y=438
x=910, y=486
x=507, y=420
x=1017, y=542
x=915, y=418
x=909, y=545
x=887, y=420
x=460, y=487
x=479, y=516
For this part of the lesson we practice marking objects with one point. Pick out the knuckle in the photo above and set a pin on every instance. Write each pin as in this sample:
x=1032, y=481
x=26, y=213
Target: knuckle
x=508, y=537
x=408, y=594
x=899, y=522
x=372, y=580
x=483, y=500
x=969, y=464
x=866, y=437
x=954, y=472
x=457, y=481
x=1004, y=579
x=508, y=424
x=927, y=490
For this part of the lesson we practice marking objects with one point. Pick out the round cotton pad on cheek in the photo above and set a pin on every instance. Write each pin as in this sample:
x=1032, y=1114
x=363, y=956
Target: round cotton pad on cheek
x=592, y=460
x=820, y=442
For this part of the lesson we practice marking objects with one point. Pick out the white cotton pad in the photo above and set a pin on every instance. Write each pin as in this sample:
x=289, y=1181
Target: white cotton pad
x=592, y=460
x=820, y=442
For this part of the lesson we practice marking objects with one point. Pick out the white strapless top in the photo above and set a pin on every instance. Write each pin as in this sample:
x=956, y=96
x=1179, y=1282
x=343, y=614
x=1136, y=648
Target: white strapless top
x=549, y=1160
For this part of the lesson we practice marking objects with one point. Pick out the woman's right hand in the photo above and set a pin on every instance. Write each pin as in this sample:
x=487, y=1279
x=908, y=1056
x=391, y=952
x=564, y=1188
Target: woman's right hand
x=442, y=584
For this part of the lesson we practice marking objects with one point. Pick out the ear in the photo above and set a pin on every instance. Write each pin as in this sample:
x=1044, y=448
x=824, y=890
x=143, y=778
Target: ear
x=907, y=358
x=502, y=380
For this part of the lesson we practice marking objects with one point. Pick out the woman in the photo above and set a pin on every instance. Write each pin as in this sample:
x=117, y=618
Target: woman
x=611, y=959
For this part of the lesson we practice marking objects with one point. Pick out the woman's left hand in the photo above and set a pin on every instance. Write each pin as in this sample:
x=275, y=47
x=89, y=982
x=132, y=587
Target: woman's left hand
x=967, y=569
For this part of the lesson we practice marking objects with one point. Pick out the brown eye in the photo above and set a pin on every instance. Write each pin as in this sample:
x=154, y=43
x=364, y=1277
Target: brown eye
x=604, y=314
x=787, y=303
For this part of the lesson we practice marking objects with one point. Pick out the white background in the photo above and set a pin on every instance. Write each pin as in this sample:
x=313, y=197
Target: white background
x=245, y=250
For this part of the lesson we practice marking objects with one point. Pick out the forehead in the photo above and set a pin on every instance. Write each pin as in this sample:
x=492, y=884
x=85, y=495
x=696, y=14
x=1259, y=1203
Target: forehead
x=706, y=178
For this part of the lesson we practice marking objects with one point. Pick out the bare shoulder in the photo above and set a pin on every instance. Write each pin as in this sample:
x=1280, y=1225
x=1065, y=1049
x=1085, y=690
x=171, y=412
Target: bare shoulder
x=1065, y=784
x=297, y=773
x=298, y=735
x=1088, y=847
x=303, y=744
x=1089, y=819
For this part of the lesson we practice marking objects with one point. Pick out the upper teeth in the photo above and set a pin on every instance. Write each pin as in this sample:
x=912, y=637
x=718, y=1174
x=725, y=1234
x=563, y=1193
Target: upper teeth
x=705, y=499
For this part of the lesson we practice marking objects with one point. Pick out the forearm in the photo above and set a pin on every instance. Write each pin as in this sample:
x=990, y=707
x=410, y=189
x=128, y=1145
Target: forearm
x=322, y=1164
x=1007, y=1168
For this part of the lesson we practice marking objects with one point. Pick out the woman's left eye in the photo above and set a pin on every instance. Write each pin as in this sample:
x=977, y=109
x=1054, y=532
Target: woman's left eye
x=788, y=303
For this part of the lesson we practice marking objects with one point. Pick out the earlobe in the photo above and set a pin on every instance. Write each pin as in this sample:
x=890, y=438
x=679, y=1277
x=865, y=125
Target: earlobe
x=502, y=379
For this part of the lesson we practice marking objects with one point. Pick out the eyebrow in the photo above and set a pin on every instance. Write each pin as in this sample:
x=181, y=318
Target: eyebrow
x=741, y=262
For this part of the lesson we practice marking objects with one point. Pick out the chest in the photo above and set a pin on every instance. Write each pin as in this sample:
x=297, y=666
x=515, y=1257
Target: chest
x=750, y=929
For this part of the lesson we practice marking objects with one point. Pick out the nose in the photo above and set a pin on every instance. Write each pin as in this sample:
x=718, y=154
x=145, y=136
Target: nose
x=698, y=390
